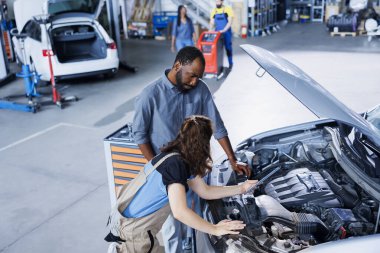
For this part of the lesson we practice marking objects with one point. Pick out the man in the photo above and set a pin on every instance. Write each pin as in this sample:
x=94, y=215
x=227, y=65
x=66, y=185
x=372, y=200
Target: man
x=163, y=105
x=221, y=20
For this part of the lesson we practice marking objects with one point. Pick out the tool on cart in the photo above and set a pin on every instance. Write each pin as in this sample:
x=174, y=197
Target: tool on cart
x=30, y=81
x=57, y=99
x=211, y=45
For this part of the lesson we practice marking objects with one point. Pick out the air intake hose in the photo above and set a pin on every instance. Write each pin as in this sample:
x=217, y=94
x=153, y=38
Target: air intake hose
x=348, y=195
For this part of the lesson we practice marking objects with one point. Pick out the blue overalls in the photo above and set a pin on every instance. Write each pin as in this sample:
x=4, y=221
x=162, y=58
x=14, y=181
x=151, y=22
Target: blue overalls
x=220, y=21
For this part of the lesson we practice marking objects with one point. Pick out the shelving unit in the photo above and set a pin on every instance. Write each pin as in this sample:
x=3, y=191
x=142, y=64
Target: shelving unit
x=303, y=8
x=313, y=9
x=262, y=17
x=318, y=10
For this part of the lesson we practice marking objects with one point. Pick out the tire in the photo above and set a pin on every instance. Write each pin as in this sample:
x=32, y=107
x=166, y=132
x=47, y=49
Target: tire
x=110, y=75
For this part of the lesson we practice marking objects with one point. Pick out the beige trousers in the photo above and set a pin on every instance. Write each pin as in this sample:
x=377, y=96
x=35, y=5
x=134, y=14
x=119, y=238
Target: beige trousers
x=141, y=233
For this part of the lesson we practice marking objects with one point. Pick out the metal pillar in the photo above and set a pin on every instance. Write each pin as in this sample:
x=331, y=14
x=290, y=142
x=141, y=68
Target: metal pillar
x=113, y=19
x=5, y=75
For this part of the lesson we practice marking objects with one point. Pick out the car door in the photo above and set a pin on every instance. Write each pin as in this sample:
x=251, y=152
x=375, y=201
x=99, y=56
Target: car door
x=33, y=45
x=18, y=44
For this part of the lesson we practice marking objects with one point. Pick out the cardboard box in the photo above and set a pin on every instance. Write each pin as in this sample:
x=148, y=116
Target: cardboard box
x=331, y=10
x=237, y=7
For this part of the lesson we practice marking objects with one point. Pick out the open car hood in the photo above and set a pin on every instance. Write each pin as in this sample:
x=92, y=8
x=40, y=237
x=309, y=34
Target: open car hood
x=27, y=9
x=90, y=7
x=311, y=94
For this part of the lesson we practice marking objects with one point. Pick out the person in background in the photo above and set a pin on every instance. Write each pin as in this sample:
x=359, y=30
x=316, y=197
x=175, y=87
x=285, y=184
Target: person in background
x=221, y=20
x=183, y=33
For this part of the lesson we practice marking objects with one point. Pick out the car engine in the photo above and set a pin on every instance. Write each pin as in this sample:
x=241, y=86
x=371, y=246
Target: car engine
x=303, y=197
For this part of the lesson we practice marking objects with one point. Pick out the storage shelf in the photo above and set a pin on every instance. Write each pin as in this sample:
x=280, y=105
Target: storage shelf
x=262, y=17
x=313, y=8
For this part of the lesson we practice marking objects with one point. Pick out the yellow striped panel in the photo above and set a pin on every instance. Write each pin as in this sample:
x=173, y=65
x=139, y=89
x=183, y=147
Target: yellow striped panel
x=117, y=165
x=124, y=174
x=129, y=158
x=121, y=181
x=135, y=151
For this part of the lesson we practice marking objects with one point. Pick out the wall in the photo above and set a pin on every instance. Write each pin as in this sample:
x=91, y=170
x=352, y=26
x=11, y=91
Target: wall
x=11, y=14
x=239, y=7
x=166, y=5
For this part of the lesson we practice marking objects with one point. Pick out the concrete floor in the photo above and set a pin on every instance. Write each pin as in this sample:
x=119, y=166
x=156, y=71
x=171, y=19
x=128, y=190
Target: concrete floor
x=54, y=193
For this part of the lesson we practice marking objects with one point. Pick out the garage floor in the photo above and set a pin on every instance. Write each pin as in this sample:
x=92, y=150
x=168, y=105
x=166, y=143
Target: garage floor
x=54, y=193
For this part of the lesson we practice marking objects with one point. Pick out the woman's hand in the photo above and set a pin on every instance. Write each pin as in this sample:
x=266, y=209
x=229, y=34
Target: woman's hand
x=225, y=227
x=249, y=184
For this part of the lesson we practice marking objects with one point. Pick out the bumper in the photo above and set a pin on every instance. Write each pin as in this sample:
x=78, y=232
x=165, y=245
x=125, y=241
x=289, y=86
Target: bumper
x=93, y=73
x=79, y=69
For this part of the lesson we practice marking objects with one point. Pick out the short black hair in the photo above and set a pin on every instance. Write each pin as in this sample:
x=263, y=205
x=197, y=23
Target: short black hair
x=188, y=54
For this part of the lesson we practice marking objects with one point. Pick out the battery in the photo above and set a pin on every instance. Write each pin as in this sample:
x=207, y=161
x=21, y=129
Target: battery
x=124, y=159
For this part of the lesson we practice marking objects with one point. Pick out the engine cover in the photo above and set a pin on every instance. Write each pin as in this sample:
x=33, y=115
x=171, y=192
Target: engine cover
x=301, y=186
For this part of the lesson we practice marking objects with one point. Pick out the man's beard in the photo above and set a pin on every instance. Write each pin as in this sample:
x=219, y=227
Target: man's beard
x=219, y=6
x=180, y=85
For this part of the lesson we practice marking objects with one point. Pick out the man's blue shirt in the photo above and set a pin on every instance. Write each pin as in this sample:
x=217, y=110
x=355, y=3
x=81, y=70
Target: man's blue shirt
x=161, y=108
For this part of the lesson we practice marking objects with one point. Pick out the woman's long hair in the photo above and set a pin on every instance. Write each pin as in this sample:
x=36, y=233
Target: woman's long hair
x=179, y=15
x=193, y=144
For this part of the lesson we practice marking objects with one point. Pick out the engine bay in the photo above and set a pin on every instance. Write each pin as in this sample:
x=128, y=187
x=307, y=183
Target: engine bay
x=303, y=197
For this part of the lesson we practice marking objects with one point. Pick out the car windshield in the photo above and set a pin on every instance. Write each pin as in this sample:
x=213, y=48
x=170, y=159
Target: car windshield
x=361, y=151
x=373, y=117
x=63, y=6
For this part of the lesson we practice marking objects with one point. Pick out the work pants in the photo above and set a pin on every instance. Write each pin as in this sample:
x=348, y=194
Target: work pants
x=227, y=40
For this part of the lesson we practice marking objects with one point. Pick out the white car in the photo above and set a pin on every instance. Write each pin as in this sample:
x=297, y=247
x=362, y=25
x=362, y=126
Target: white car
x=80, y=45
x=319, y=181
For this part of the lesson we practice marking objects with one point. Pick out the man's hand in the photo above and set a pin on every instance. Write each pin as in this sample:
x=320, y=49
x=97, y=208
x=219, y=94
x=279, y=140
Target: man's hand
x=237, y=166
x=240, y=167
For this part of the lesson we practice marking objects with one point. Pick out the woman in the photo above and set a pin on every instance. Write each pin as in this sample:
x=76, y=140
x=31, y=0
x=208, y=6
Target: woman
x=183, y=33
x=162, y=188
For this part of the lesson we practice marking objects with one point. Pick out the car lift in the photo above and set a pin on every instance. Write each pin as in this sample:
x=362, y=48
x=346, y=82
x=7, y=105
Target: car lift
x=57, y=99
x=30, y=81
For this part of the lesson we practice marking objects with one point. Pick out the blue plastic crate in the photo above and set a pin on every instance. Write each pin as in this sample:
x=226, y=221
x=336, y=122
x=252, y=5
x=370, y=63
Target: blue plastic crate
x=163, y=19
